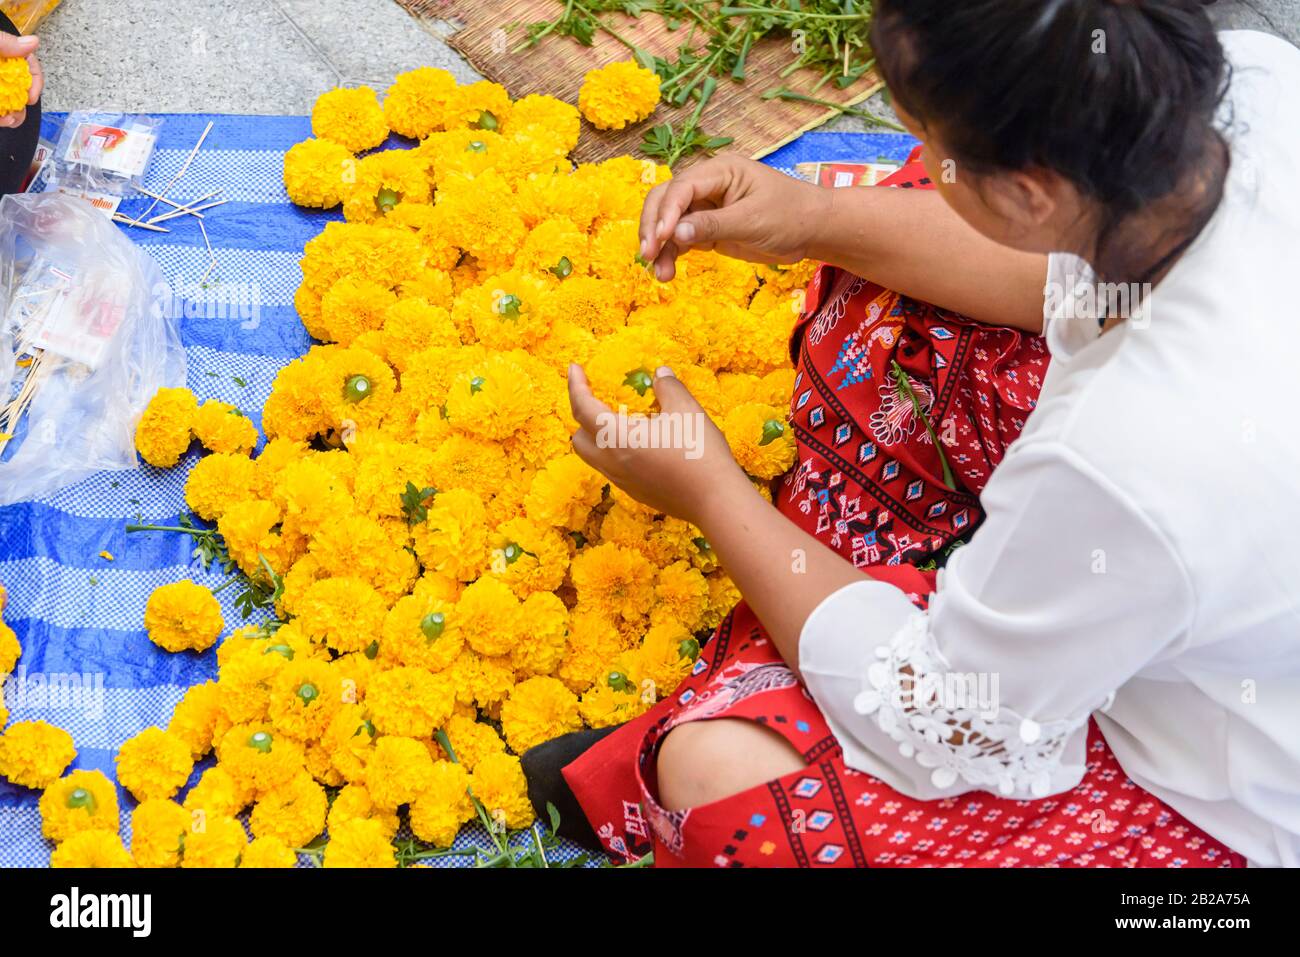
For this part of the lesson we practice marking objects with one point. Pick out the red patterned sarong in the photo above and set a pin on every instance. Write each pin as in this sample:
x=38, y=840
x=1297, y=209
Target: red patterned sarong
x=880, y=377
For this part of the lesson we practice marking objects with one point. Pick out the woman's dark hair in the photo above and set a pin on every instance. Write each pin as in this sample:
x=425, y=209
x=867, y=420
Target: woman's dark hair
x=1117, y=96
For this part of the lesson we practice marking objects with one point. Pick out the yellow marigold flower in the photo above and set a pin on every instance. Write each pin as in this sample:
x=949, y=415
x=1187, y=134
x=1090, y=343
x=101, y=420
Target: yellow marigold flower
x=164, y=431
x=276, y=455
x=483, y=105
x=310, y=496
x=10, y=649
x=15, y=83
x=398, y=771
x=488, y=612
x=432, y=284
x=362, y=548
x=381, y=253
x=268, y=852
x=183, y=616
x=259, y=760
x=723, y=596
x=681, y=596
x=453, y=538
x=485, y=216
x=498, y=782
x=483, y=680
x=217, y=794
x=305, y=696
x=546, y=118
x=344, y=613
x=529, y=556
x=538, y=710
x=158, y=831
x=555, y=247
x=421, y=632
x=220, y=427
x=293, y=813
x=615, y=581
x=761, y=439
x=383, y=181
x=359, y=843
x=245, y=674
x=315, y=173
x=218, y=481
x=354, y=305
x=349, y=117
x=439, y=811
x=469, y=153
x=410, y=702
x=95, y=849
x=82, y=801
x=622, y=370
x=416, y=103
x=493, y=399
x=34, y=753
x=154, y=764
x=665, y=658
x=249, y=531
x=504, y=310
x=603, y=706
x=214, y=842
x=194, y=719
x=412, y=325
x=564, y=492
x=472, y=740
x=592, y=304
x=354, y=803
x=350, y=740
x=541, y=636
x=593, y=644
x=620, y=93
x=464, y=461
x=560, y=194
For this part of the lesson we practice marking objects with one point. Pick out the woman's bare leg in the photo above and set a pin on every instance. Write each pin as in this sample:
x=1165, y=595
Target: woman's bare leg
x=705, y=761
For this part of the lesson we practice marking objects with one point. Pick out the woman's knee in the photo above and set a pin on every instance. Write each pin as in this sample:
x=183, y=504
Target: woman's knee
x=704, y=761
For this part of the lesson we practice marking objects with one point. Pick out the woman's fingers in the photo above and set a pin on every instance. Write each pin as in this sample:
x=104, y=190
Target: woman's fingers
x=11, y=45
x=13, y=120
x=668, y=202
x=587, y=409
x=38, y=79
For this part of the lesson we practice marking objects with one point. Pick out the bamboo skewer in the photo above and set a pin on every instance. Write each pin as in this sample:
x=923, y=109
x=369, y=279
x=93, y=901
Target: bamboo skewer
x=212, y=256
x=188, y=210
x=127, y=221
x=179, y=173
x=14, y=410
x=171, y=203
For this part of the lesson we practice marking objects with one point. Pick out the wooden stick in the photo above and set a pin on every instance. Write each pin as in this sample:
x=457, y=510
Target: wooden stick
x=164, y=199
x=126, y=221
x=212, y=264
x=179, y=173
x=188, y=210
x=181, y=208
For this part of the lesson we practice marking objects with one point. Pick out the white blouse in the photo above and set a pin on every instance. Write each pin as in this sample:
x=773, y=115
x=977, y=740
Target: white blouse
x=1140, y=559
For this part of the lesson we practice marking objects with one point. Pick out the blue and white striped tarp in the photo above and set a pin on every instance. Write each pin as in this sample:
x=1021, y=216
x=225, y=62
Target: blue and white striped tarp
x=79, y=614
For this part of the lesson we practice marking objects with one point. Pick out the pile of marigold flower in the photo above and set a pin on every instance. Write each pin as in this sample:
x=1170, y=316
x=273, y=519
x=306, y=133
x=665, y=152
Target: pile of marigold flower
x=451, y=584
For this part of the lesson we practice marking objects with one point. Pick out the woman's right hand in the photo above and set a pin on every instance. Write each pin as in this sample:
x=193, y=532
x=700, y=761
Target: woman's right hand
x=12, y=46
x=737, y=206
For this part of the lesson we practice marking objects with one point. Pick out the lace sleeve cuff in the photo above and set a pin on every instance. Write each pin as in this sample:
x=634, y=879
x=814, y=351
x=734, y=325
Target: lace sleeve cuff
x=953, y=724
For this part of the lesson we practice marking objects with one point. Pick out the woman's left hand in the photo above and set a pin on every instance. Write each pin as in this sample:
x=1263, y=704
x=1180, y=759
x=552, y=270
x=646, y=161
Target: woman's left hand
x=677, y=462
x=12, y=46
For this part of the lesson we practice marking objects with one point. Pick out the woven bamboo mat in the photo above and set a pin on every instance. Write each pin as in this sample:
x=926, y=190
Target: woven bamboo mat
x=493, y=29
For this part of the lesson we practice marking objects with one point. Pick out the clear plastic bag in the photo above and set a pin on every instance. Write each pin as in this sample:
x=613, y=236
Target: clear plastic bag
x=103, y=153
x=27, y=14
x=85, y=336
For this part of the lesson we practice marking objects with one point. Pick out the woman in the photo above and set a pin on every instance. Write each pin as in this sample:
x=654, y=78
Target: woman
x=1108, y=672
